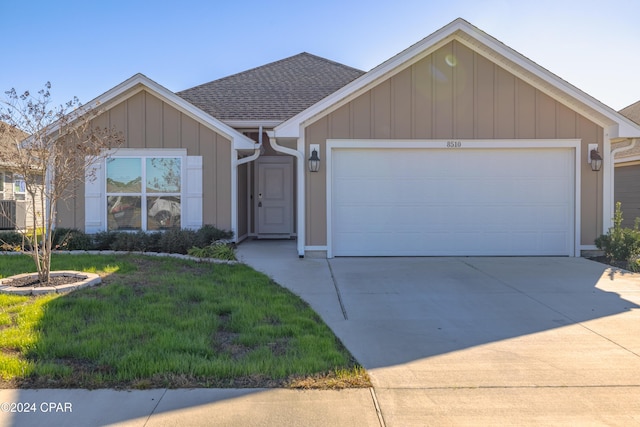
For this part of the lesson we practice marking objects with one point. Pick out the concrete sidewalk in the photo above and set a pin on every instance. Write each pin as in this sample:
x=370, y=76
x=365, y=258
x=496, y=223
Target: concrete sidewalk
x=195, y=407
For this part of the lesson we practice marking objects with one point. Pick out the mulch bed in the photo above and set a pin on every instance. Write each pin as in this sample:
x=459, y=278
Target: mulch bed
x=33, y=281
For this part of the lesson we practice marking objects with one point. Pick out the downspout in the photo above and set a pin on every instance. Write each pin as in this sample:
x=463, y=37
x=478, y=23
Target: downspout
x=255, y=154
x=300, y=212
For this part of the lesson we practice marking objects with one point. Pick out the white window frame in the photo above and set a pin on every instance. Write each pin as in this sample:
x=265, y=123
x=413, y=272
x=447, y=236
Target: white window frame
x=190, y=188
x=22, y=194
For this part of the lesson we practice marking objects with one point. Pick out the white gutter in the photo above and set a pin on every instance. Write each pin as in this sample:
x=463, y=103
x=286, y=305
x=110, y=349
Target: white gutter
x=300, y=212
x=623, y=149
x=255, y=154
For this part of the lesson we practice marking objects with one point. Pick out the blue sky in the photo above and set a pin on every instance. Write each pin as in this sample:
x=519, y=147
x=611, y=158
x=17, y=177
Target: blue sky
x=85, y=48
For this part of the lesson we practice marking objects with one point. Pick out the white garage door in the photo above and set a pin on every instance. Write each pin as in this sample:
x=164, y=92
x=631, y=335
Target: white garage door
x=429, y=202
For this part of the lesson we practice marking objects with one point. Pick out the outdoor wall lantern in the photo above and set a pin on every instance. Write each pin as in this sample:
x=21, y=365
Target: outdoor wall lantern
x=595, y=159
x=314, y=160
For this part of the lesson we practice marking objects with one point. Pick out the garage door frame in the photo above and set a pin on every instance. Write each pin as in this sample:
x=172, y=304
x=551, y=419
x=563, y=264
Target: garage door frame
x=333, y=145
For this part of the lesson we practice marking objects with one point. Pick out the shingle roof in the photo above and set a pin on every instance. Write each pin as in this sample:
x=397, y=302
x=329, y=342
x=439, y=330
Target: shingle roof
x=632, y=112
x=8, y=134
x=275, y=91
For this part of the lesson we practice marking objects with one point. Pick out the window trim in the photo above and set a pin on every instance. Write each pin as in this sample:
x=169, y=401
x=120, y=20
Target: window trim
x=144, y=154
x=95, y=210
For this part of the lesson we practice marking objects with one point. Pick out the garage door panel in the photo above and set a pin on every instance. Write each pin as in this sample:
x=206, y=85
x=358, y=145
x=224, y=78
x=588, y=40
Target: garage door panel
x=460, y=202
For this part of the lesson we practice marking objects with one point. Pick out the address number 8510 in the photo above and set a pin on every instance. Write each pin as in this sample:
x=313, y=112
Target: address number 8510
x=454, y=144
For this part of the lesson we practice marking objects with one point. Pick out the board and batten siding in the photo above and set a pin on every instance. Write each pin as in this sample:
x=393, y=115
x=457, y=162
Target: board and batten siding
x=627, y=192
x=148, y=122
x=453, y=93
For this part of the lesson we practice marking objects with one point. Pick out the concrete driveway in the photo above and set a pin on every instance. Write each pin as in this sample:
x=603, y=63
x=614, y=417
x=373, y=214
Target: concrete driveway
x=464, y=341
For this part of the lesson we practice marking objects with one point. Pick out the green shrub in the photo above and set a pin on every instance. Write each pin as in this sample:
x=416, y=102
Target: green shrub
x=176, y=241
x=130, y=241
x=71, y=239
x=209, y=234
x=620, y=244
x=103, y=241
x=12, y=240
x=217, y=250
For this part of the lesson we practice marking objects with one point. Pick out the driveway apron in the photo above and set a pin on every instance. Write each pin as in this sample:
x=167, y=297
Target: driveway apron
x=457, y=340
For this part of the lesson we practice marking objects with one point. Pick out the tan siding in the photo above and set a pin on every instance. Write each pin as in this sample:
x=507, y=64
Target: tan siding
x=208, y=150
x=422, y=100
x=443, y=89
x=361, y=117
x=223, y=184
x=153, y=122
x=485, y=94
x=456, y=93
x=505, y=104
x=566, y=122
x=148, y=122
x=526, y=111
x=118, y=119
x=136, y=121
x=545, y=116
x=381, y=108
x=340, y=123
x=315, y=185
x=591, y=183
x=627, y=192
x=401, y=105
x=464, y=120
x=171, y=129
x=189, y=137
x=243, y=198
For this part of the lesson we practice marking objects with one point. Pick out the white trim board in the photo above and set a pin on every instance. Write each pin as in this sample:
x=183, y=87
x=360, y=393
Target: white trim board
x=453, y=145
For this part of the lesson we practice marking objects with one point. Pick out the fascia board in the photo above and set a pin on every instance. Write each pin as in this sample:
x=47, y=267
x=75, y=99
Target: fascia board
x=252, y=124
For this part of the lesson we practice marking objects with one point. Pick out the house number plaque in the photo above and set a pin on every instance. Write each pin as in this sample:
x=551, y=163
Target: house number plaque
x=454, y=144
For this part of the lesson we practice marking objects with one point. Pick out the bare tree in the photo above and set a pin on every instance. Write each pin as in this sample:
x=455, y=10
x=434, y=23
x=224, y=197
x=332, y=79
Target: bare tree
x=62, y=143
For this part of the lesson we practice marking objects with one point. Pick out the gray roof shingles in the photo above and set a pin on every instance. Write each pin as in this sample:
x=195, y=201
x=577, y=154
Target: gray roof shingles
x=275, y=91
x=632, y=112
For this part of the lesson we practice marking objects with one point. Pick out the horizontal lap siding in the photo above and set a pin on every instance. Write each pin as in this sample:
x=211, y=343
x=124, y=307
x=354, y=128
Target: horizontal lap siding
x=454, y=93
x=148, y=122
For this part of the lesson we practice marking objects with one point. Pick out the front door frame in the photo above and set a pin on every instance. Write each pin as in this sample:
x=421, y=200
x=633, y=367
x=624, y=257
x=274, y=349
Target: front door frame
x=286, y=162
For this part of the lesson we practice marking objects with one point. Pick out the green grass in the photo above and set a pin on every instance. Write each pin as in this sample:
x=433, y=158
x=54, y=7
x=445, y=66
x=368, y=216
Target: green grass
x=162, y=322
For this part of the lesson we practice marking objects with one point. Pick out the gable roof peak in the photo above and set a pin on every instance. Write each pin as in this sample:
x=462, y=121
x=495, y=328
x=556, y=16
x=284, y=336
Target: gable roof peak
x=485, y=45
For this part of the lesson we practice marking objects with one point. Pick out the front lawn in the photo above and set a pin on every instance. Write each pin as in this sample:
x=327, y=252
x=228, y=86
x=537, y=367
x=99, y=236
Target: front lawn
x=163, y=322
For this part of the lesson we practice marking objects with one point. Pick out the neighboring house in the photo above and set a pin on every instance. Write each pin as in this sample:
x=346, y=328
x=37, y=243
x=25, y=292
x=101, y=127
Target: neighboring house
x=627, y=172
x=16, y=211
x=456, y=146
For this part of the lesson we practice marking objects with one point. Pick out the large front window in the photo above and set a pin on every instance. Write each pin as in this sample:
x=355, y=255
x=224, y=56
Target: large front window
x=143, y=193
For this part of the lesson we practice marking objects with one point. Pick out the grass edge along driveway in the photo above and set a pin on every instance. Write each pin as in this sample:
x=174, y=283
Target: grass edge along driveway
x=163, y=322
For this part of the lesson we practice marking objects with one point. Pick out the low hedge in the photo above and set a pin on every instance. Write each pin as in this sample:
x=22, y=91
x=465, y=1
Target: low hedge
x=168, y=241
